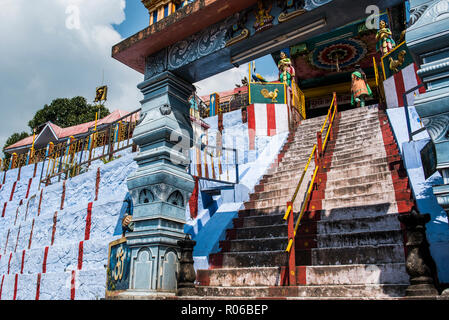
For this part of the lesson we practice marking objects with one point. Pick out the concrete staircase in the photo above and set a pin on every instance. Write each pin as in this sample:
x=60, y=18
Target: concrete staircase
x=349, y=244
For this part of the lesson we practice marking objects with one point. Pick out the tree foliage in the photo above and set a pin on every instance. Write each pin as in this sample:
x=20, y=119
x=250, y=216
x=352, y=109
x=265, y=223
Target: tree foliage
x=66, y=112
x=15, y=137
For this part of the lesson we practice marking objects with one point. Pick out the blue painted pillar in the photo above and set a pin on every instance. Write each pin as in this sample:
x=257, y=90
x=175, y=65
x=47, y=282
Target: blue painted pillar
x=427, y=38
x=160, y=187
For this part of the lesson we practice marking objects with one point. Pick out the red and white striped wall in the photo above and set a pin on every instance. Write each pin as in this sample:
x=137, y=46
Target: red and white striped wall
x=266, y=120
x=401, y=82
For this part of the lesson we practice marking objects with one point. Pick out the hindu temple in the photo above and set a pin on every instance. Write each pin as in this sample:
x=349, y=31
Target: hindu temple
x=326, y=181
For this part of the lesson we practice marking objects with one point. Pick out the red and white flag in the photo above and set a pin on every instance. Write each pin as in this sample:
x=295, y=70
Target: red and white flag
x=266, y=120
x=401, y=82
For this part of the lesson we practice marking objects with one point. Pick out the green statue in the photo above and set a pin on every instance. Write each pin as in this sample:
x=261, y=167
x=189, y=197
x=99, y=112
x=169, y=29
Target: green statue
x=384, y=37
x=286, y=70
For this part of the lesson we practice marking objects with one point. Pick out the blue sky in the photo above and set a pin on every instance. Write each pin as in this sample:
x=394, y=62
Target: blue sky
x=136, y=19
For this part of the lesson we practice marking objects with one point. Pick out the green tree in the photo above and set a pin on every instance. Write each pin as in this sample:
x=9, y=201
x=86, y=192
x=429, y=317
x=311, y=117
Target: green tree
x=15, y=137
x=66, y=112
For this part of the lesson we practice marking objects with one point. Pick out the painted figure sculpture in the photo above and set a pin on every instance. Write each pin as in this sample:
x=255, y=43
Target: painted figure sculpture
x=384, y=37
x=286, y=70
x=263, y=18
x=360, y=89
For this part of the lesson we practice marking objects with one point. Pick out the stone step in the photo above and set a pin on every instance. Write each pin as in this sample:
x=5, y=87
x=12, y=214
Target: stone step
x=277, y=183
x=274, y=184
x=269, y=211
x=383, y=186
x=334, y=225
x=359, y=239
x=349, y=138
x=362, y=274
x=294, y=161
x=359, y=111
x=361, y=155
x=344, y=159
x=259, y=232
x=357, y=169
x=268, y=203
x=302, y=241
x=249, y=259
x=350, y=181
x=315, y=120
x=358, y=212
x=258, y=221
x=285, y=178
x=358, y=200
x=240, y=277
x=354, y=117
x=356, y=144
x=280, y=192
x=364, y=125
x=306, y=292
x=375, y=254
x=310, y=127
x=342, y=151
x=287, y=170
x=302, y=146
x=390, y=273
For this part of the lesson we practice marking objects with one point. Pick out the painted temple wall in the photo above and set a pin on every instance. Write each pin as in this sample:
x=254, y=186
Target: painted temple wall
x=437, y=228
x=67, y=260
x=64, y=264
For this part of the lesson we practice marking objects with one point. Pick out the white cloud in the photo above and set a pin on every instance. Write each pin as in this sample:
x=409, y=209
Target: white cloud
x=43, y=58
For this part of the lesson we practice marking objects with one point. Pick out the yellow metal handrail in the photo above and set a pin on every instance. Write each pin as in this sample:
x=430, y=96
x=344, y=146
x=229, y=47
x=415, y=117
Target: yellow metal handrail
x=333, y=111
x=329, y=128
x=300, y=182
x=328, y=114
x=303, y=208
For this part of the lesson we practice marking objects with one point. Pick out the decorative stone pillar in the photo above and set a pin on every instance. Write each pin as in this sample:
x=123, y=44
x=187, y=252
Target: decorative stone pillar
x=187, y=275
x=161, y=186
x=427, y=38
x=419, y=263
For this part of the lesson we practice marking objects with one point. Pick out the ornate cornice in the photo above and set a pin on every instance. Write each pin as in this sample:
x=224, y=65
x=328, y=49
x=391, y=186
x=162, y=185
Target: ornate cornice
x=429, y=13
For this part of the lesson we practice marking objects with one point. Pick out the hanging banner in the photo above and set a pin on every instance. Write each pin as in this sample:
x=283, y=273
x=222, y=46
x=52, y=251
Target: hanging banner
x=101, y=94
x=396, y=60
x=214, y=104
x=268, y=93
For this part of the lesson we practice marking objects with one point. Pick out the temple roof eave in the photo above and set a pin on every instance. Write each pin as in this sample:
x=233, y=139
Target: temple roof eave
x=133, y=50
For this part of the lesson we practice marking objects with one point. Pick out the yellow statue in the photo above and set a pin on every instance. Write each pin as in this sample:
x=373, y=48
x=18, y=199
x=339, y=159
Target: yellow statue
x=396, y=64
x=263, y=17
x=270, y=94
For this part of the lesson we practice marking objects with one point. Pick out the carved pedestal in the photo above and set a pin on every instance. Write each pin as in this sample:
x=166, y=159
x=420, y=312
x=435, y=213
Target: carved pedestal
x=161, y=186
x=419, y=264
x=187, y=275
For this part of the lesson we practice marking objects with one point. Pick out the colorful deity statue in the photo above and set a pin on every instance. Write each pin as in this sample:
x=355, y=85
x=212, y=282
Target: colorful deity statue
x=194, y=106
x=286, y=70
x=360, y=89
x=384, y=37
x=263, y=18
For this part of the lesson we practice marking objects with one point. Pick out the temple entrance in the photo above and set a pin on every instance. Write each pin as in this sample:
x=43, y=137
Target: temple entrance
x=322, y=65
